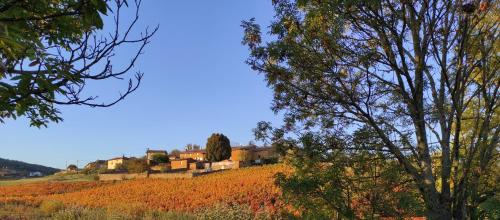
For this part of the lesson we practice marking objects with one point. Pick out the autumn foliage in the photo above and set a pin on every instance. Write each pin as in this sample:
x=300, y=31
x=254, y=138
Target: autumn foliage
x=35, y=191
x=249, y=186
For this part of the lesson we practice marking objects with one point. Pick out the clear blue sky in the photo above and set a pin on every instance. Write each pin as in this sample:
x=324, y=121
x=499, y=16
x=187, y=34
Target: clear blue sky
x=196, y=83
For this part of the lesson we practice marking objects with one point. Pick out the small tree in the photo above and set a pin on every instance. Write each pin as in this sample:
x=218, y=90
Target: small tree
x=136, y=165
x=160, y=158
x=175, y=152
x=192, y=147
x=218, y=147
x=72, y=167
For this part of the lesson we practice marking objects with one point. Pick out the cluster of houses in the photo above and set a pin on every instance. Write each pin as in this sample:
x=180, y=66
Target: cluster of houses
x=5, y=172
x=196, y=159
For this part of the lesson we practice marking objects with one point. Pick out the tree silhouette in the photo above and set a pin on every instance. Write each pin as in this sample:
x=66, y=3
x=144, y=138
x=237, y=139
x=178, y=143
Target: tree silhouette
x=218, y=147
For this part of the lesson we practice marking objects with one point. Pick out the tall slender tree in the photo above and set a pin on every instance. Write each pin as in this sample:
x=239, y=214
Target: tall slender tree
x=218, y=148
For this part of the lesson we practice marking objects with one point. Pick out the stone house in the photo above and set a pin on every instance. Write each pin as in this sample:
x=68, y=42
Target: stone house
x=252, y=154
x=115, y=162
x=98, y=164
x=5, y=172
x=35, y=174
x=184, y=164
x=199, y=155
x=264, y=153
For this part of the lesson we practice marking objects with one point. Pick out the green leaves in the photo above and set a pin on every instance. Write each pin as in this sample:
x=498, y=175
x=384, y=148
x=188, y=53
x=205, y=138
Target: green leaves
x=27, y=29
x=218, y=148
x=252, y=33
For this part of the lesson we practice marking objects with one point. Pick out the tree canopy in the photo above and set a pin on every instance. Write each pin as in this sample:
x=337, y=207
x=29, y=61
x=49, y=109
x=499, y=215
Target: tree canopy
x=160, y=158
x=135, y=165
x=422, y=75
x=218, y=148
x=175, y=152
x=189, y=147
x=50, y=50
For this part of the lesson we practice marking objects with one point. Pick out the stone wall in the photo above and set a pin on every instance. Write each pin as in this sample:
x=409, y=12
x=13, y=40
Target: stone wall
x=122, y=176
x=128, y=176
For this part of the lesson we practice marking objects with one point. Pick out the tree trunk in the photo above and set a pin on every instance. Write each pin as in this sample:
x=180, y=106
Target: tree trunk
x=438, y=212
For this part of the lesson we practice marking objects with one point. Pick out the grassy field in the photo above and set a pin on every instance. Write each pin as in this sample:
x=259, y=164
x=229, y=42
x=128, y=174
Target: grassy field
x=52, y=178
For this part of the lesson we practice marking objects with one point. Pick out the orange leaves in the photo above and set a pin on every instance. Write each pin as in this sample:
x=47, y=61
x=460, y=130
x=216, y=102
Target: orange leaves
x=44, y=188
x=252, y=186
x=34, y=192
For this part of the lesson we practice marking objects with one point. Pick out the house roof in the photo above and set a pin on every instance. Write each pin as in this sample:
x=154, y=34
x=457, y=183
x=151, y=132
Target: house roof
x=252, y=147
x=244, y=147
x=263, y=148
x=156, y=151
x=187, y=159
x=117, y=158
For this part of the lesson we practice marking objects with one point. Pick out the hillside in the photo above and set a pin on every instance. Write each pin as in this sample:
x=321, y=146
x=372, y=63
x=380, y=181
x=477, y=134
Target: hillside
x=23, y=167
x=253, y=187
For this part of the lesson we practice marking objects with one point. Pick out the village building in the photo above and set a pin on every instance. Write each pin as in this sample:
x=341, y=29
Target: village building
x=115, y=162
x=35, y=174
x=72, y=169
x=5, y=172
x=264, y=153
x=98, y=164
x=199, y=155
x=151, y=153
x=181, y=164
x=196, y=165
x=253, y=154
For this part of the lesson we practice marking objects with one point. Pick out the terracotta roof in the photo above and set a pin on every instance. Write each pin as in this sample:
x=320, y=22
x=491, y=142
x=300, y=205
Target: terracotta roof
x=193, y=151
x=244, y=147
x=188, y=159
x=252, y=147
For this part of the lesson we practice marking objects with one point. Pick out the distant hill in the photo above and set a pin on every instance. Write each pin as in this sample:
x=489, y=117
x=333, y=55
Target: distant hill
x=26, y=167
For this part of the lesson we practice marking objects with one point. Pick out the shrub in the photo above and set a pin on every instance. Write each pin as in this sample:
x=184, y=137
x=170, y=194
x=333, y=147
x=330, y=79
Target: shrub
x=159, y=158
x=226, y=212
x=50, y=207
x=136, y=165
x=79, y=213
x=157, y=215
x=270, y=161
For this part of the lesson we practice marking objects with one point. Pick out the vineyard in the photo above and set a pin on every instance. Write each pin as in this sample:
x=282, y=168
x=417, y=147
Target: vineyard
x=249, y=186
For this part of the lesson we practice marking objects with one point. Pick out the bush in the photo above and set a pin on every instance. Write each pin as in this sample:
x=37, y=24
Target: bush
x=270, y=161
x=156, y=215
x=21, y=210
x=78, y=213
x=50, y=207
x=231, y=212
x=159, y=158
x=136, y=165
